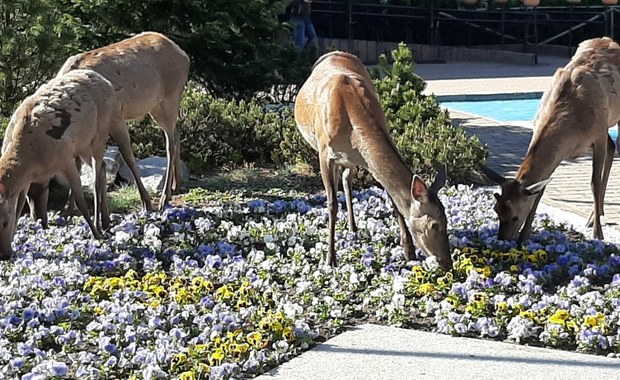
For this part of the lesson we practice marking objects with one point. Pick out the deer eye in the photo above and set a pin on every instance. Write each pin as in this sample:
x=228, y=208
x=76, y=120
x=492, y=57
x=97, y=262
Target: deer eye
x=5, y=224
x=515, y=218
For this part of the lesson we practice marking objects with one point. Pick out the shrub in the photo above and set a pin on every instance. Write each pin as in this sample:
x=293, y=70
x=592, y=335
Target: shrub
x=216, y=132
x=421, y=129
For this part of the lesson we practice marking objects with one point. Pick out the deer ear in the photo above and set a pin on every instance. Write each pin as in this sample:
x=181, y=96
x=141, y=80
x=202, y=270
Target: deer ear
x=536, y=188
x=493, y=175
x=4, y=192
x=419, y=190
x=440, y=179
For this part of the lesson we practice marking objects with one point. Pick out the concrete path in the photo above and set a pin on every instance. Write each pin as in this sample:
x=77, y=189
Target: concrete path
x=388, y=353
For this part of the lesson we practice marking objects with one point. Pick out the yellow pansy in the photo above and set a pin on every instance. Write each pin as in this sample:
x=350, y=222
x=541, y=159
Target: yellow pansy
x=288, y=334
x=130, y=274
x=486, y=271
x=560, y=317
x=182, y=296
x=204, y=369
x=187, y=375
x=198, y=281
x=254, y=338
x=217, y=356
x=426, y=288
x=160, y=292
x=528, y=314
x=224, y=292
x=179, y=358
x=501, y=307
x=594, y=320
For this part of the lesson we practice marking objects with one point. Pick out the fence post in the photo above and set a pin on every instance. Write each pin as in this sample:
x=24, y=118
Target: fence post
x=350, y=29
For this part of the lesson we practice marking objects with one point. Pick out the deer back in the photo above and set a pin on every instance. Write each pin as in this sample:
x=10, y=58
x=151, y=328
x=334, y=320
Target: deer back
x=337, y=109
x=144, y=70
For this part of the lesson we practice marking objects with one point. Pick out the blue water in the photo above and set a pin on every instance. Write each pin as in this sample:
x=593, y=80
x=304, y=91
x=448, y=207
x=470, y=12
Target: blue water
x=519, y=110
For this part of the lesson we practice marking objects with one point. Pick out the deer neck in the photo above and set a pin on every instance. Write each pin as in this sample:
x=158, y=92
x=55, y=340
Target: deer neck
x=14, y=174
x=541, y=160
x=388, y=168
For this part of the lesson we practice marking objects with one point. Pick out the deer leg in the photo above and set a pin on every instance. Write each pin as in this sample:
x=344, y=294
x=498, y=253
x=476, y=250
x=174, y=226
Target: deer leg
x=101, y=185
x=609, y=159
x=70, y=207
x=96, y=166
x=346, y=184
x=598, y=158
x=406, y=240
x=19, y=206
x=37, y=196
x=526, y=230
x=329, y=174
x=39, y=203
x=177, y=174
x=72, y=175
x=165, y=114
x=120, y=134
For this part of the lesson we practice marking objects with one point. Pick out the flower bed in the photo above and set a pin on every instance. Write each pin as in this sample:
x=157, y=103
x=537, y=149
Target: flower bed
x=236, y=288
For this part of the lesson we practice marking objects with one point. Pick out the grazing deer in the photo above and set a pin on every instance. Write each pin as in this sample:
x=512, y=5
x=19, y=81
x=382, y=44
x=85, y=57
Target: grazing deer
x=149, y=72
x=338, y=113
x=66, y=118
x=574, y=115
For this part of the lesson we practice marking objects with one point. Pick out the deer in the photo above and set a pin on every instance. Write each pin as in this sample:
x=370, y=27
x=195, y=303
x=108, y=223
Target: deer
x=337, y=111
x=574, y=116
x=149, y=72
x=66, y=118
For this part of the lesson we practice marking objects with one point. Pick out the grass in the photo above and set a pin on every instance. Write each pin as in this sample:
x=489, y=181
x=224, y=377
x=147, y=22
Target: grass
x=124, y=199
x=233, y=184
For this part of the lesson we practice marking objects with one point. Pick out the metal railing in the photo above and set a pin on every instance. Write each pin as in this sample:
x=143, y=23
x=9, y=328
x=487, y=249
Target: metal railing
x=530, y=27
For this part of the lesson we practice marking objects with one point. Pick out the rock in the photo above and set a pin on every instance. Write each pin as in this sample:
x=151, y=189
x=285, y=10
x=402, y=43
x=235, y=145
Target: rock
x=112, y=159
x=152, y=172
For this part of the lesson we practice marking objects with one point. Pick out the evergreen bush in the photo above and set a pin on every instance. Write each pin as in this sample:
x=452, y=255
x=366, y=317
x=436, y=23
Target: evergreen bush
x=216, y=132
x=421, y=129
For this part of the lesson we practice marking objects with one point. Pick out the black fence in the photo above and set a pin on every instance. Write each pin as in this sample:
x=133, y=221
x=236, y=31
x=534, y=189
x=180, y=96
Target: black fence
x=565, y=26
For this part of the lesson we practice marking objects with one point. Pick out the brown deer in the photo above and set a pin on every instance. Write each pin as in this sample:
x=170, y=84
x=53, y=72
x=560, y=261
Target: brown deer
x=338, y=113
x=66, y=118
x=574, y=115
x=149, y=72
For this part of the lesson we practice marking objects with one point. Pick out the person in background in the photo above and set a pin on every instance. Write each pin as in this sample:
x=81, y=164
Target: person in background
x=300, y=18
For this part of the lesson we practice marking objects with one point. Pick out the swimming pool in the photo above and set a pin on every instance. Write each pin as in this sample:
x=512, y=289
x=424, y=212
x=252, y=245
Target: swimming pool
x=516, y=111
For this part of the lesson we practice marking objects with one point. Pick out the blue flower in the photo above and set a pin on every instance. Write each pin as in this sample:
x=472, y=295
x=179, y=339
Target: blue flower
x=106, y=344
x=28, y=314
x=59, y=368
x=17, y=363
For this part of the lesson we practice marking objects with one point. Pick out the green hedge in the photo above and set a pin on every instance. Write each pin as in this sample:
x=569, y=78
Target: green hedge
x=216, y=132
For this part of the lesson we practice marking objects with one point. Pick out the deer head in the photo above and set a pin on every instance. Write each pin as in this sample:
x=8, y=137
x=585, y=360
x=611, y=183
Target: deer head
x=7, y=223
x=428, y=220
x=514, y=203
